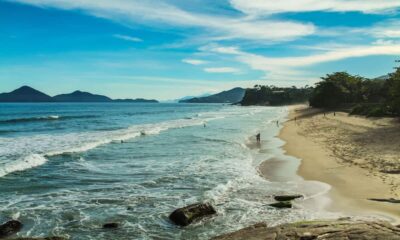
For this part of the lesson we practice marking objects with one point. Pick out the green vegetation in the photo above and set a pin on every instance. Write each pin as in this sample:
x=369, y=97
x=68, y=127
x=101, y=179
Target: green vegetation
x=377, y=97
x=275, y=96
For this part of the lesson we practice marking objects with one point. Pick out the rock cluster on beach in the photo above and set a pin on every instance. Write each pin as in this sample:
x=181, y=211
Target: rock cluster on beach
x=334, y=230
x=284, y=201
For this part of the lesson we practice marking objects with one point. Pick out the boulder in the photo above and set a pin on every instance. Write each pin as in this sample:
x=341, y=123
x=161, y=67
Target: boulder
x=283, y=198
x=285, y=204
x=110, y=225
x=10, y=228
x=186, y=215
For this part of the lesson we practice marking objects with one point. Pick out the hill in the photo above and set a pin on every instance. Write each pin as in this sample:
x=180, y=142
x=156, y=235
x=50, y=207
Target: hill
x=25, y=94
x=79, y=96
x=28, y=94
x=234, y=95
x=275, y=96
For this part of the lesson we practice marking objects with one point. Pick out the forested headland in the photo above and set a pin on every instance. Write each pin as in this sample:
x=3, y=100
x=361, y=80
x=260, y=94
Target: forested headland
x=337, y=91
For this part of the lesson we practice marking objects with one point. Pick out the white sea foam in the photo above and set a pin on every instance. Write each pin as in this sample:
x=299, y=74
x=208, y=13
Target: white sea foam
x=27, y=162
x=22, y=153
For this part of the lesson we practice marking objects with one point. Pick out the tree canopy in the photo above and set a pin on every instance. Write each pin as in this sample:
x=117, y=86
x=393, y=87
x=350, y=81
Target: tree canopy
x=273, y=96
x=372, y=97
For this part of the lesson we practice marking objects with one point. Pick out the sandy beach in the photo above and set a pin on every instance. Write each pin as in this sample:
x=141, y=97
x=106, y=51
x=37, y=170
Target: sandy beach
x=358, y=157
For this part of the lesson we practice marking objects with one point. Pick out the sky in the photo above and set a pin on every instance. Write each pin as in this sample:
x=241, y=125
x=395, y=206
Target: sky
x=166, y=49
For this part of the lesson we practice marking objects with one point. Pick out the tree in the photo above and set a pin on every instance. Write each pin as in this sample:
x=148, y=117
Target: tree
x=336, y=90
x=393, y=87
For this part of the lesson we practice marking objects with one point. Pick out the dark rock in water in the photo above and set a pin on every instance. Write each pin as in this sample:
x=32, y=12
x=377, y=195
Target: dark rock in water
x=389, y=200
x=285, y=204
x=187, y=215
x=111, y=225
x=10, y=228
x=282, y=198
x=359, y=230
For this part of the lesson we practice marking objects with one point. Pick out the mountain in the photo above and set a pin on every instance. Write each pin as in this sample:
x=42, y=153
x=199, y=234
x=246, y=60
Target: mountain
x=186, y=98
x=384, y=77
x=28, y=94
x=25, y=94
x=137, y=100
x=234, y=95
x=79, y=96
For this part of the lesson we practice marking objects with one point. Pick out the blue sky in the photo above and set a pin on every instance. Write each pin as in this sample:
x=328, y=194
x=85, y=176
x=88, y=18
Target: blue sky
x=166, y=49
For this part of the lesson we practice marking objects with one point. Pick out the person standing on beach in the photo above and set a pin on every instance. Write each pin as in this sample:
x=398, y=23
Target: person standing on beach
x=258, y=136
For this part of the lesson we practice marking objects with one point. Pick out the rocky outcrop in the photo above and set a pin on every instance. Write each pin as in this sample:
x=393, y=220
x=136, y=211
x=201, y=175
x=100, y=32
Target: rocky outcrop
x=333, y=230
x=10, y=228
x=187, y=215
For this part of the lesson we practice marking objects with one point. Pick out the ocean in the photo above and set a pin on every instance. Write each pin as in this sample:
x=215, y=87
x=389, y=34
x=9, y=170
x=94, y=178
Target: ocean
x=68, y=168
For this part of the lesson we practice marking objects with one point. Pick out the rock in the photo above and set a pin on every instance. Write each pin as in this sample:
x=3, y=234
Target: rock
x=340, y=230
x=10, y=228
x=282, y=198
x=187, y=215
x=285, y=204
x=389, y=200
x=391, y=171
x=111, y=225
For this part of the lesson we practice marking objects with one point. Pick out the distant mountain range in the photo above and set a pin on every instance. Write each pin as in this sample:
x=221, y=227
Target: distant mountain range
x=28, y=94
x=234, y=95
x=186, y=98
x=384, y=77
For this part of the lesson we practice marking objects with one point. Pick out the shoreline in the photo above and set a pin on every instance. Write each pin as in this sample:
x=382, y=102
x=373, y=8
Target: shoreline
x=351, y=185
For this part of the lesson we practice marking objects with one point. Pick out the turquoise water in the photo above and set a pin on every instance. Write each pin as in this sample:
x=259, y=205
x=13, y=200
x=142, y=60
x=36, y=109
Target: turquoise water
x=65, y=169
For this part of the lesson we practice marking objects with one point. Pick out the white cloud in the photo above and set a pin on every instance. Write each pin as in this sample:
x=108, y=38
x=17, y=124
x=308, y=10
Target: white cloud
x=218, y=27
x=387, y=29
x=222, y=70
x=194, y=61
x=128, y=38
x=263, y=7
x=284, y=68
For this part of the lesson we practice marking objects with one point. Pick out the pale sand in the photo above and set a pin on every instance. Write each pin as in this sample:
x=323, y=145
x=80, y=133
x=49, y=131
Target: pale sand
x=349, y=153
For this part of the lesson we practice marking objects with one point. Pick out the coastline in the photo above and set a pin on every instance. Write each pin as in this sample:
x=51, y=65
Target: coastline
x=314, y=139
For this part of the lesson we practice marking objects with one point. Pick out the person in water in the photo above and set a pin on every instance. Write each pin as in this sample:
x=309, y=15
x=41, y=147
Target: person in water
x=258, y=136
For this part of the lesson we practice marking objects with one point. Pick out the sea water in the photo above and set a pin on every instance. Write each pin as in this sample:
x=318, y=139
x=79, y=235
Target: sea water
x=66, y=169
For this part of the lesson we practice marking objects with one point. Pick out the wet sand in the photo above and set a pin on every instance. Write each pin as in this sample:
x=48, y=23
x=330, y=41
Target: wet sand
x=358, y=157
